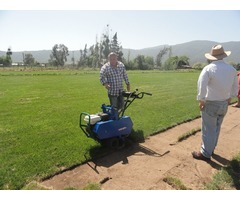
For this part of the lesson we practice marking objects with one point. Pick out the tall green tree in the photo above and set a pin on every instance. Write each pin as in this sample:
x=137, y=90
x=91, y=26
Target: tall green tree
x=171, y=63
x=182, y=61
x=94, y=56
x=97, y=61
x=143, y=62
x=161, y=54
x=8, y=57
x=83, y=60
x=6, y=60
x=105, y=46
x=97, y=54
x=73, y=59
x=29, y=59
x=59, y=54
x=176, y=62
x=116, y=47
x=9, y=52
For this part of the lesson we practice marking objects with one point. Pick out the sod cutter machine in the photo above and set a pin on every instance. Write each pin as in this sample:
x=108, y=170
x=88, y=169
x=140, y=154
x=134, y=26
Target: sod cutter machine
x=107, y=128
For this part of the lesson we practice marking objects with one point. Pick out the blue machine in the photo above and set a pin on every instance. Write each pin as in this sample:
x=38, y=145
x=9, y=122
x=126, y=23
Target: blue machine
x=109, y=127
x=121, y=127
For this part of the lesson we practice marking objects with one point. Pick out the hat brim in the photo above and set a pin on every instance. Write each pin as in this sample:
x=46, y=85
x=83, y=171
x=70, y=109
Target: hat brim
x=218, y=57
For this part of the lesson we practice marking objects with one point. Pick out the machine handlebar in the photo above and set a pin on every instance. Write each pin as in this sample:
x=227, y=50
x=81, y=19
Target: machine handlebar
x=135, y=94
x=130, y=97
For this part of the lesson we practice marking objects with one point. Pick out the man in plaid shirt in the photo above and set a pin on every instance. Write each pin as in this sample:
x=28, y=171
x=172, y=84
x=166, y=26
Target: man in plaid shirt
x=112, y=75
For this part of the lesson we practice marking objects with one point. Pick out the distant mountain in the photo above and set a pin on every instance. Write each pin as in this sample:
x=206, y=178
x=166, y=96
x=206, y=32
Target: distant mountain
x=194, y=50
x=41, y=56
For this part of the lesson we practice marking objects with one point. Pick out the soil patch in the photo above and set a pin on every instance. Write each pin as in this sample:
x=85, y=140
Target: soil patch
x=144, y=166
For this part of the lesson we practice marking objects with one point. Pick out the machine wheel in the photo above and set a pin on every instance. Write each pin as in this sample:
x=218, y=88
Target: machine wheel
x=116, y=143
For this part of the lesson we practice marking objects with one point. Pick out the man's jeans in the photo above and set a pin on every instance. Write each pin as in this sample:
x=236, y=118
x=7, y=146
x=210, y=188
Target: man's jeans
x=117, y=103
x=212, y=118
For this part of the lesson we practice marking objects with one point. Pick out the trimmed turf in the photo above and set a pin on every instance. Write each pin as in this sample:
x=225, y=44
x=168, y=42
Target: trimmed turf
x=39, y=129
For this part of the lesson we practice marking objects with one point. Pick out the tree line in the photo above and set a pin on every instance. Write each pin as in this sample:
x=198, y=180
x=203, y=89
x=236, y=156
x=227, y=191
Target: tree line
x=96, y=55
x=6, y=60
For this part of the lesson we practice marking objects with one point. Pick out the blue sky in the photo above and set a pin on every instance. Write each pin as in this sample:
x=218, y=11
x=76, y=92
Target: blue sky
x=39, y=29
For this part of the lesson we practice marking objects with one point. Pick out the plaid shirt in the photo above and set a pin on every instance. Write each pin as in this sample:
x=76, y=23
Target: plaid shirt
x=114, y=76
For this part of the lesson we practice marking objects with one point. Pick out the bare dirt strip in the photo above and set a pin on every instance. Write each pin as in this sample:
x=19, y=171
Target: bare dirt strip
x=144, y=166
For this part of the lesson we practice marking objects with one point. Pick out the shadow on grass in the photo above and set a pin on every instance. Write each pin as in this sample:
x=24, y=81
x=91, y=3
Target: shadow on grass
x=234, y=171
x=231, y=167
x=103, y=155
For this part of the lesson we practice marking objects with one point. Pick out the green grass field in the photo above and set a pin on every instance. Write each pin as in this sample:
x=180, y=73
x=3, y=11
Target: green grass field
x=39, y=129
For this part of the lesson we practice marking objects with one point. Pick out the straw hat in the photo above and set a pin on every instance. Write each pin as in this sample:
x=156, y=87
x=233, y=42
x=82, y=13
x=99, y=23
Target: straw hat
x=217, y=53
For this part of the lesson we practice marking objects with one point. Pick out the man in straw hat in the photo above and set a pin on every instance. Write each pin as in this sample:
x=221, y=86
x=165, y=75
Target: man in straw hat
x=217, y=84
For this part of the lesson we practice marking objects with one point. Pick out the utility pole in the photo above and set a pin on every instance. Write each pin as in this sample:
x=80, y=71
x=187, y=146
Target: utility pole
x=23, y=58
x=73, y=59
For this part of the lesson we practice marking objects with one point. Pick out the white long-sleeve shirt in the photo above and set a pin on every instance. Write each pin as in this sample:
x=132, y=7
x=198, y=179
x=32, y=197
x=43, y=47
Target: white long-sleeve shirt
x=217, y=82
